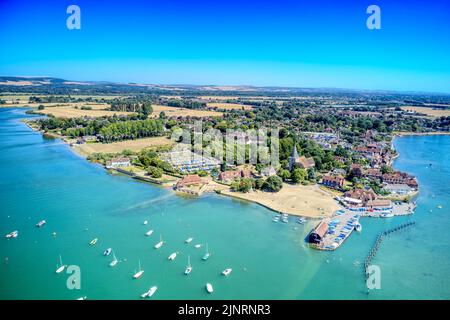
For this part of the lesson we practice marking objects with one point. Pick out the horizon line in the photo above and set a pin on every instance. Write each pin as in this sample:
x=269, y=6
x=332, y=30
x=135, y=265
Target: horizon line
x=235, y=85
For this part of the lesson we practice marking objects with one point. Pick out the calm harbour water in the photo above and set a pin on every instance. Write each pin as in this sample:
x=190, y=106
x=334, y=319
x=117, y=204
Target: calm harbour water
x=44, y=179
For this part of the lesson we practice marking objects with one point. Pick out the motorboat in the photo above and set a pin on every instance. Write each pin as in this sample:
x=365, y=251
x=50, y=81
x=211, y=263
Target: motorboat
x=93, y=242
x=107, y=252
x=358, y=227
x=172, y=256
x=301, y=220
x=13, y=234
x=150, y=292
x=145, y=222
x=209, y=288
x=41, y=223
x=227, y=271
x=198, y=246
x=189, y=240
x=149, y=233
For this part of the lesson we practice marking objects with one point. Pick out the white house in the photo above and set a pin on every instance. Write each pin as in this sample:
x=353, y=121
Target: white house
x=118, y=163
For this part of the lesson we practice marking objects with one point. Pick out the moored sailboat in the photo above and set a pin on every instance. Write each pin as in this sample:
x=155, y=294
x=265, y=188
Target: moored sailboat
x=207, y=253
x=138, y=274
x=61, y=266
x=189, y=267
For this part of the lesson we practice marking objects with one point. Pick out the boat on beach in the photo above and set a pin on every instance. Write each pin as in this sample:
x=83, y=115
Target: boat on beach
x=227, y=271
x=61, y=266
x=150, y=292
x=107, y=252
x=138, y=274
x=13, y=234
x=41, y=223
x=189, y=267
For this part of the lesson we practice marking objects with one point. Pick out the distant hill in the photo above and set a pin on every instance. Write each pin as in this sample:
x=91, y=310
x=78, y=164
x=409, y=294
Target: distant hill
x=50, y=85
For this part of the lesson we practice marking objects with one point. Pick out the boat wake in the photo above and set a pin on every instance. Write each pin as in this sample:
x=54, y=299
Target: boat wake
x=149, y=203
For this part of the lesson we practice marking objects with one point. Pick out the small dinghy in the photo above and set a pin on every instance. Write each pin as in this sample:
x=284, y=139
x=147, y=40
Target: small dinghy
x=227, y=271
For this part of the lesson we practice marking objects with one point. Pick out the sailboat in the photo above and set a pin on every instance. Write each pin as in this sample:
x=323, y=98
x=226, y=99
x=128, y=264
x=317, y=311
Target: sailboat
x=61, y=266
x=160, y=243
x=150, y=292
x=138, y=274
x=189, y=267
x=114, y=261
x=207, y=254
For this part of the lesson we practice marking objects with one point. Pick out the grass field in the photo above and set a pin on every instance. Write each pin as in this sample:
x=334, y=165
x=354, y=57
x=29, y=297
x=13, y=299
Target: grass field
x=229, y=106
x=69, y=111
x=429, y=111
x=117, y=147
x=182, y=112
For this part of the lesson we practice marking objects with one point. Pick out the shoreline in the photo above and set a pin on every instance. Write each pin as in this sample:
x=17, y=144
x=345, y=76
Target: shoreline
x=437, y=133
x=261, y=198
x=264, y=199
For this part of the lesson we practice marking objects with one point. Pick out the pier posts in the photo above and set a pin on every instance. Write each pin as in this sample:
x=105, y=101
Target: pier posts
x=381, y=236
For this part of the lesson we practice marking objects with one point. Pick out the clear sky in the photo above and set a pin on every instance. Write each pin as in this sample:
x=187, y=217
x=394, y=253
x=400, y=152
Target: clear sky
x=314, y=43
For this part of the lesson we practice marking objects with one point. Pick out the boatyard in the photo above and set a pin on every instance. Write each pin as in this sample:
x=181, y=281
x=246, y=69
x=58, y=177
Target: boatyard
x=330, y=233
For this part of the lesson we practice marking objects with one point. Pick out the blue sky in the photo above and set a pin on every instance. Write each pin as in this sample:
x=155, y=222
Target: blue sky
x=319, y=43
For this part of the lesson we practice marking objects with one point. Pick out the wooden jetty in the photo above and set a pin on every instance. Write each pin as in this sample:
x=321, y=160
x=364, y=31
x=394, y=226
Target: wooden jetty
x=381, y=236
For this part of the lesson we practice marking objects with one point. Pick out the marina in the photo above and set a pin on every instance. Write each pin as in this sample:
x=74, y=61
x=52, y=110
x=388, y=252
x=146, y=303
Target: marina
x=331, y=233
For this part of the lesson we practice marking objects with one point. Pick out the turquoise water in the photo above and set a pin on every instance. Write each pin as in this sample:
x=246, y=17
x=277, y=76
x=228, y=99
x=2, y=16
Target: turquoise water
x=43, y=179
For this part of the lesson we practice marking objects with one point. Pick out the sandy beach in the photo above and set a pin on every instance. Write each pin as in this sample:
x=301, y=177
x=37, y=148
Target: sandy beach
x=298, y=200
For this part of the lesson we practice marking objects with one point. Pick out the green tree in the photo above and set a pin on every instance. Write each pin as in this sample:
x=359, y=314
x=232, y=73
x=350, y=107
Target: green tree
x=273, y=184
x=284, y=174
x=299, y=175
x=155, y=172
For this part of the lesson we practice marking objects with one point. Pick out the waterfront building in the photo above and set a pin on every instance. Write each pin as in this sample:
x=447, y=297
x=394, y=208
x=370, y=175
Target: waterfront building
x=335, y=182
x=119, y=162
